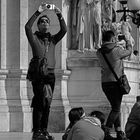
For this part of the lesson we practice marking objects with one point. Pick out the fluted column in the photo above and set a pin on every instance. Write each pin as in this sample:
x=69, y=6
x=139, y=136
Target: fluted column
x=60, y=104
x=3, y=34
x=4, y=115
x=24, y=94
x=65, y=77
x=13, y=67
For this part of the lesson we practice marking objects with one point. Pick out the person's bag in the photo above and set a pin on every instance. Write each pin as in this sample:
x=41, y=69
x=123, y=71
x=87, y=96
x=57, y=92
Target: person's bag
x=38, y=69
x=33, y=70
x=124, y=85
x=43, y=67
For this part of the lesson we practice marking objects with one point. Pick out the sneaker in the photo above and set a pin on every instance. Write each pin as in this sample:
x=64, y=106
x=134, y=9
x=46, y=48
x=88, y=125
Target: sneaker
x=121, y=135
x=37, y=135
x=47, y=135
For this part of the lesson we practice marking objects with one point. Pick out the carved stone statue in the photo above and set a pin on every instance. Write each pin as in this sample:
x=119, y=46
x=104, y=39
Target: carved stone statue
x=88, y=19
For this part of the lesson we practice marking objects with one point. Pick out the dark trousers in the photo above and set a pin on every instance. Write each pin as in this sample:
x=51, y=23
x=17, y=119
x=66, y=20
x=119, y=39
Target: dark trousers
x=113, y=95
x=43, y=93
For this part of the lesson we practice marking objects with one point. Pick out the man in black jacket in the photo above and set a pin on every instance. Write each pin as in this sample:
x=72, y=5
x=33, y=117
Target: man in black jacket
x=43, y=45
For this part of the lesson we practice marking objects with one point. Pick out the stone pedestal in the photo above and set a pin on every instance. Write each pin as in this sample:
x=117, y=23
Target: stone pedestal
x=84, y=85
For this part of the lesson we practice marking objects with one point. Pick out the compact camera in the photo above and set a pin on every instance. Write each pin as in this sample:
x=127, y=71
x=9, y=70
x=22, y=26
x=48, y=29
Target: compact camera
x=50, y=6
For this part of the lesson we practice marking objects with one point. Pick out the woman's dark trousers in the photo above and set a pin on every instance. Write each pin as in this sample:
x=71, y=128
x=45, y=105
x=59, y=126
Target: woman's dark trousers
x=114, y=96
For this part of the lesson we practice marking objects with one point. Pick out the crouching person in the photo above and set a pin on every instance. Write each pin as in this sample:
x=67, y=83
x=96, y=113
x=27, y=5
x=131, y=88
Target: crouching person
x=87, y=128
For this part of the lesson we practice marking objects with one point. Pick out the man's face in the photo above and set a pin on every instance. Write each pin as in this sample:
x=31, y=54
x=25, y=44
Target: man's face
x=44, y=24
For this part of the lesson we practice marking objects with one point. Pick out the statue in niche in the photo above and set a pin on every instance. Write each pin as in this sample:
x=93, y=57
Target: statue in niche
x=94, y=23
x=89, y=18
x=108, y=14
x=74, y=19
x=126, y=30
x=82, y=35
x=87, y=22
x=87, y=27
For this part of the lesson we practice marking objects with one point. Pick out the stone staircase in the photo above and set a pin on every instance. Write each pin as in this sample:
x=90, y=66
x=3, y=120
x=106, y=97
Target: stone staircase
x=23, y=136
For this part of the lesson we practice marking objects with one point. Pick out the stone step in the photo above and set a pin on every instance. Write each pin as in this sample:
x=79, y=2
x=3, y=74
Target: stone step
x=24, y=136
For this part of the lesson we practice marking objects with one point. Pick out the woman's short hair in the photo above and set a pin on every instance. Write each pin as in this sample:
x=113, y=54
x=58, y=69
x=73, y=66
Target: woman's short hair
x=75, y=114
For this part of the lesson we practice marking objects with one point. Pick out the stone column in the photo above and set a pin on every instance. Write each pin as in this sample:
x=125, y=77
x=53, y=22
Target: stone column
x=65, y=77
x=27, y=114
x=64, y=95
x=15, y=113
x=60, y=104
x=4, y=114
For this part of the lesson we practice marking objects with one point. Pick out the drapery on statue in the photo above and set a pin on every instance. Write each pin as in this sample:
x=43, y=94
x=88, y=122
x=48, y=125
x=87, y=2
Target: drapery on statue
x=88, y=19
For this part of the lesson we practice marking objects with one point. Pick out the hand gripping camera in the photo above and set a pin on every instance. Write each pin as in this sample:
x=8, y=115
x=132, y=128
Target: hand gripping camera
x=50, y=6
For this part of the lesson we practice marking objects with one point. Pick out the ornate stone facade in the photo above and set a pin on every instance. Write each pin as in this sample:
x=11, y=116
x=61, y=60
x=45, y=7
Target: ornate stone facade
x=77, y=74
